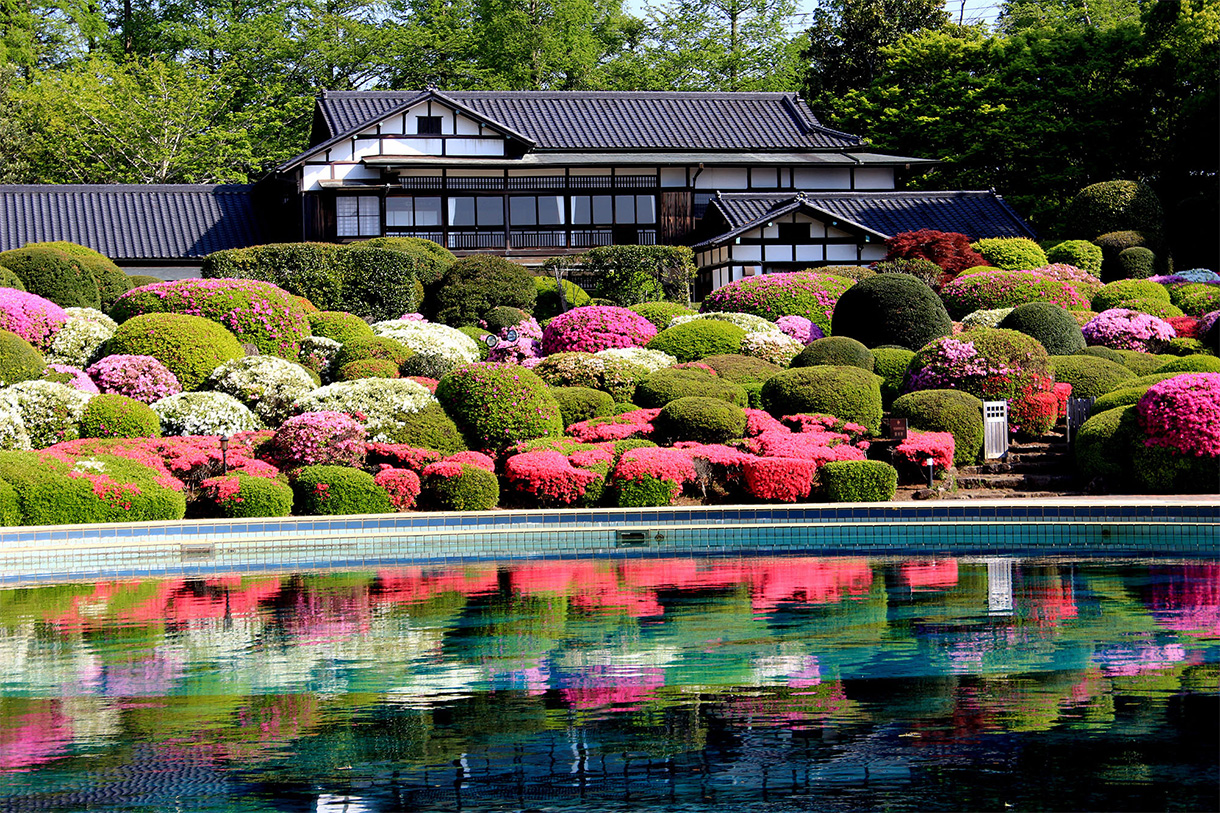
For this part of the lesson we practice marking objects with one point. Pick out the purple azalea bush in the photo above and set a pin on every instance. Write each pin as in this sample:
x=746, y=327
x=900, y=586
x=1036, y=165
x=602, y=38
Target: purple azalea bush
x=1123, y=329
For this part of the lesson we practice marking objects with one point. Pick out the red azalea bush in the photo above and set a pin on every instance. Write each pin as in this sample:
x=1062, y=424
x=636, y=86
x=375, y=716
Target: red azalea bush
x=402, y=485
x=819, y=422
x=596, y=327
x=400, y=456
x=187, y=459
x=1034, y=413
x=634, y=424
x=477, y=459
x=919, y=446
x=1186, y=327
x=759, y=421
x=430, y=383
x=1183, y=413
x=549, y=477
x=652, y=476
x=950, y=250
x=316, y=438
x=1062, y=393
x=819, y=447
x=782, y=479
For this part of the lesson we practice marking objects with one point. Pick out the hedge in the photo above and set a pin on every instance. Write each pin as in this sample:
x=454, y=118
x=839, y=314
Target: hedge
x=663, y=386
x=333, y=490
x=701, y=419
x=117, y=416
x=1089, y=376
x=1141, y=363
x=848, y=393
x=629, y=275
x=379, y=283
x=55, y=275
x=474, y=285
x=953, y=411
x=1190, y=364
x=1011, y=253
x=1051, y=325
x=191, y=347
x=859, y=481
x=459, y=487
x=697, y=339
x=837, y=351
x=311, y=270
x=431, y=259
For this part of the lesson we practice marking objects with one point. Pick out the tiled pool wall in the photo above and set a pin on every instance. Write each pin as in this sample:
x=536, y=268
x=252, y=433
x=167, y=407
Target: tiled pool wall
x=209, y=547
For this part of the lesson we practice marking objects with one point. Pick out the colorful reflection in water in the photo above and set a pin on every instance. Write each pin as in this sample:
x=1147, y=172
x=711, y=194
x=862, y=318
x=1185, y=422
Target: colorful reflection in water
x=773, y=684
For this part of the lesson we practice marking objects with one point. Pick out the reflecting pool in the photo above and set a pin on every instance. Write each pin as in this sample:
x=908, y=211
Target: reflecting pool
x=625, y=684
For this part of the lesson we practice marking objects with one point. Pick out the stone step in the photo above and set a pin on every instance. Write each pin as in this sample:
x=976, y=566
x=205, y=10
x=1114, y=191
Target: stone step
x=1016, y=481
x=1025, y=465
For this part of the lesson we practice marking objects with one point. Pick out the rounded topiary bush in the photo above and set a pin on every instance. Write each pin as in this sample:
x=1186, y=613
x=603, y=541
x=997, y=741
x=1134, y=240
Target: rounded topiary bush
x=112, y=282
x=548, y=304
x=891, y=309
x=848, y=393
x=1105, y=445
x=496, y=404
x=1051, y=325
x=19, y=360
x=958, y=413
x=1001, y=289
x=117, y=416
x=1136, y=262
x=190, y=347
x=1196, y=298
x=581, y=403
x=698, y=339
x=1125, y=395
x=811, y=294
x=839, y=351
x=926, y=271
x=1011, y=253
x=240, y=495
x=705, y=420
x=663, y=386
x=661, y=313
x=255, y=312
x=30, y=316
x=379, y=283
x=858, y=481
x=371, y=347
x=451, y=486
x=501, y=317
x=140, y=377
x=1116, y=293
x=741, y=369
x=594, y=328
x=268, y=385
x=1103, y=353
x=1079, y=253
x=10, y=280
x=53, y=274
x=318, y=438
x=1114, y=206
x=204, y=413
x=1190, y=364
x=431, y=259
x=341, y=326
x=437, y=348
x=618, y=377
x=474, y=285
x=1123, y=329
x=890, y=363
x=367, y=368
x=989, y=363
x=429, y=428
x=1090, y=376
x=50, y=411
x=331, y=490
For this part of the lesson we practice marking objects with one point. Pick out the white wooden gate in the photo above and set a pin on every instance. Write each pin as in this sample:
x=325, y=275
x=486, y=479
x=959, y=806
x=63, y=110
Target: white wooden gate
x=995, y=429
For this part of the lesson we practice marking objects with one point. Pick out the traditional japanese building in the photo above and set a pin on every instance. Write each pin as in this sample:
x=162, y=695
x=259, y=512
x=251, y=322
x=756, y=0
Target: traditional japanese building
x=752, y=180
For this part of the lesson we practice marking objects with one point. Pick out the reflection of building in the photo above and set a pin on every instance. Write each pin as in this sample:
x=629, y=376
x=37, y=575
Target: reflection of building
x=999, y=586
x=534, y=174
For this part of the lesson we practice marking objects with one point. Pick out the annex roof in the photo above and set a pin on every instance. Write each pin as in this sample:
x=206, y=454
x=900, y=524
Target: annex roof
x=976, y=214
x=131, y=221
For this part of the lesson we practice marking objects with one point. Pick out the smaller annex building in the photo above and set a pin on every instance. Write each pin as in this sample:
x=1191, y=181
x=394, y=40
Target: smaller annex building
x=752, y=181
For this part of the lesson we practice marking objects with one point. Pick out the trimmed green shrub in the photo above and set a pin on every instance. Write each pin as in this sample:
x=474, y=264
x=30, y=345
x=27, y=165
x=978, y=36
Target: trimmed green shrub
x=117, y=416
x=548, y=305
x=810, y=294
x=581, y=403
x=1104, y=353
x=1113, y=206
x=666, y=385
x=191, y=347
x=311, y=270
x=1011, y=253
x=891, y=364
x=1136, y=262
x=1183, y=347
x=473, y=489
x=1120, y=291
x=53, y=274
x=1123, y=396
x=1140, y=363
x=338, y=325
x=1051, y=325
x=1090, y=376
x=1112, y=244
x=367, y=368
x=741, y=369
x=841, y=351
x=926, y=271
x=10, y=504
x=56, y=490
x=501, y=317
x=856, y=272
x=1159, y=470
x=480, y=336
x=428, y=428
x=374, y=347
x=112, y=282
x=140, y=280
x=698, y=339
x=958, y=413
x=8, y=279
x=858, y=481
x=628, y=275
x=332, y=490
x=474, y=285
x=661, y=313
x=495, y=405
x=1106, y=443
x=19, y=360
x=1195, y=298
x=239, y=495
x=432, y=259
x=1190, y=364
x=891, y=309
x=849, y=393
x=706, y=420
x=1081, y=253
x=379, y=283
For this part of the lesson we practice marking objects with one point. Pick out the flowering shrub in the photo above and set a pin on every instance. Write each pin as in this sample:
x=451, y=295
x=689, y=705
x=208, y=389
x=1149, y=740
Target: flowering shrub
x=959, y=413
x=817, y=447
x=256, y=312
x=782, y=479
x=204, y=413
x=549, y=477
x=1122, y=329
x=1183, y=414
x=1196, y=298
x=919, y=446
x=950, y=250
x=989, y=363
x=140, y=377
x=496, y=404
x=181, y=460
x=1084, y=282
x=818, y=423
x=400, y=456
x=1034, y=412
x=524, y=349
x=240, y=495
x=616, y=376
x=402, y=486
x=30, y=316
x=596, y=327
x=190, y=346
x=802, y=293
x=268, y=385
x=1000, y=289
x=319, y=437
x=759, y=421
x=649, y=360
x=49, y=410
x=318, y=353
x=476, y=459
x=379, y=404
x=746, y=321
x=634, y=424
x=799, y=328
x=13, y=434
x=74, y=377
x=438, y=348
x=1185, y=327
x=651, y=476
x=1063, y=392
x=776, y=348
x=79, y=339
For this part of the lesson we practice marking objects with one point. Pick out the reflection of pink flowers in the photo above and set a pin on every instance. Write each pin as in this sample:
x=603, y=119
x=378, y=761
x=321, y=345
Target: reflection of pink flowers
x=938, y=574
x=1127, y=661
x=626, y=688
x=1186, y=598
x=36, y=734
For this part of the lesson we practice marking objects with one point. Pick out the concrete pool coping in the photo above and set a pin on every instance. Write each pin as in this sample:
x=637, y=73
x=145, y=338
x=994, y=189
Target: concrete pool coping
x=1183, y=525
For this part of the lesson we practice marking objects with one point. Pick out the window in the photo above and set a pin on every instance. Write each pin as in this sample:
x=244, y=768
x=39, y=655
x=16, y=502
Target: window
x=547, y=210
x=469, y=212
x=428, y=125
x=407, y=213
x=357, y=216
x=604, y=210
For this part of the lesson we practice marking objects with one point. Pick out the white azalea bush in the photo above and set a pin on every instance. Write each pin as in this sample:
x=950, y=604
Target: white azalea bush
x=989, y=317
x=268, y=385
x=317, y=353
x=379, y=404
x=438, y=348
x=49, y=411
x=80, y=338
x=748, y=322
x=204, y=413
x=650, y=360
x=13, y=434
x=777, y=348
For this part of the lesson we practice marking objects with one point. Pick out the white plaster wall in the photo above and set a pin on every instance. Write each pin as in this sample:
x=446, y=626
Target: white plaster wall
x=875, y=178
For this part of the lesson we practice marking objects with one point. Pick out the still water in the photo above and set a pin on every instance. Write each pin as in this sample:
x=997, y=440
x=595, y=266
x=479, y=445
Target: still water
x=632, y=684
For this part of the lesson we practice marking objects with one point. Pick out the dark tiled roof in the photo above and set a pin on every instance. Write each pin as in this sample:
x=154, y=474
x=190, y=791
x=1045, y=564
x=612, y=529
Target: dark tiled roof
x=977, y=214
x=130, y=221
x=617, y=120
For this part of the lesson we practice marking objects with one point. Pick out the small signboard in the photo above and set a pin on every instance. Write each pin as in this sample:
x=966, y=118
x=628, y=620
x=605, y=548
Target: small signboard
x=896, y=428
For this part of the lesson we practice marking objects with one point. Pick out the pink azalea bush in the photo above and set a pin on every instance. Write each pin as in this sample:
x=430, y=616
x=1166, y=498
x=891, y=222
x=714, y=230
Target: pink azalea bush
x=525, y=348
x=1082, y=280
x=402, y=485
x=319, y=438
x=1006, y=289
x=781, y=479
x=30, y=316
x=400, y=456
x=140, y=377
x=669, y=467
x=919, y=446
x=819, y=447
x=810, y=294
x=799, y=328
x=1183, y=413
x=79, y=380
x=634, y=424
x=549, y=477
x=596, y=327
x=1123, y=329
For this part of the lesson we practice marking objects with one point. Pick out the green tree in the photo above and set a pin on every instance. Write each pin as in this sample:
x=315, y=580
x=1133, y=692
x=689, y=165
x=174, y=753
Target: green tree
x=1021, y=15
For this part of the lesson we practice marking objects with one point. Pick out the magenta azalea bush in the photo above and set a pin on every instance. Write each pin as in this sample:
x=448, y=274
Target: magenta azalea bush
x=78, y=379
x=1081, y=280
x=1183, y=413
x=799, y=328
x=140, y=377
x=1007, y=289
x=30, y=316
x=809, y=294
x=524, y=348
x=319, y=438
x=1123, y=329
x=596, y=327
